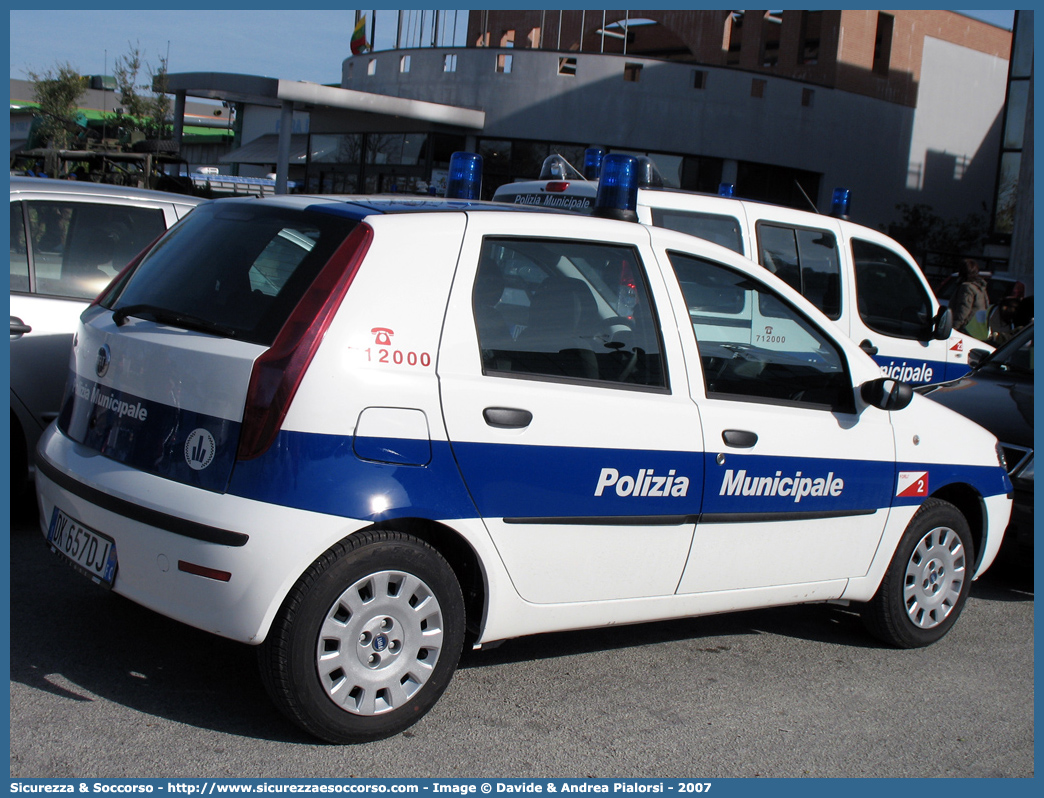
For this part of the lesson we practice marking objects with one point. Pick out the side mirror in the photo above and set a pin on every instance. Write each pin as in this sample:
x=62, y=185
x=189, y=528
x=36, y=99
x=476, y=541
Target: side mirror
x=886, y=394
x=976, y=357
x=943, y=324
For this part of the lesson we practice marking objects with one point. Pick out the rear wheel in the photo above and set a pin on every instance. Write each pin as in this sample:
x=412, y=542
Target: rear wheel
x=928, y=580
x=367, y=640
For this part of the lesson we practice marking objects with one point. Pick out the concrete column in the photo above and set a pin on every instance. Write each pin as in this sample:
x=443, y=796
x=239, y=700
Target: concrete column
x=179, y=117
x=286, y=128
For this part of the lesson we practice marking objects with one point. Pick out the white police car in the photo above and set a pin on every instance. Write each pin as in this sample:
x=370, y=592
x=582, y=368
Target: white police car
x=361, y=433
x=866, y=282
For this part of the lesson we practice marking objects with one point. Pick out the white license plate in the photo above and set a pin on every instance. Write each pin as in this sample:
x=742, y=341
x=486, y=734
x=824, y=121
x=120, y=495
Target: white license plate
x=90, y=552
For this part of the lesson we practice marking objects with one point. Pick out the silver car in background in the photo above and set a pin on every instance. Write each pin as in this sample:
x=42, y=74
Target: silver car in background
x=68, y=239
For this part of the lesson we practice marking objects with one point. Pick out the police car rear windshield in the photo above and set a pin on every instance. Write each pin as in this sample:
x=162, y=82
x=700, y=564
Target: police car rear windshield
x=232, y=268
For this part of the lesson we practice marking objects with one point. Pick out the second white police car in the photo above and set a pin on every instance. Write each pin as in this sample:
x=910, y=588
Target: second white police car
x=861, y=279
x=362, y=433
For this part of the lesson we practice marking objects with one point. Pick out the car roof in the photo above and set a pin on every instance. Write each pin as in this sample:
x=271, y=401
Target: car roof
x=89, y=189
x=359, y=206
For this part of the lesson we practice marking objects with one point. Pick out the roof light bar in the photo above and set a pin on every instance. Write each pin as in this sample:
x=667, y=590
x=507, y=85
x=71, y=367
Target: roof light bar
x=617, y=196
x=555, y=167
x=839, y=205
x=593, y=162
x=465, y=176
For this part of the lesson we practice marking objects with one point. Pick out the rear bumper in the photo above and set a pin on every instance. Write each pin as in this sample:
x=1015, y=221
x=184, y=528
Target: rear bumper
x=158, y=523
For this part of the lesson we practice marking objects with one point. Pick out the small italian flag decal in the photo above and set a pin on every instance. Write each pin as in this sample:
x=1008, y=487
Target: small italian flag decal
x=912, y=484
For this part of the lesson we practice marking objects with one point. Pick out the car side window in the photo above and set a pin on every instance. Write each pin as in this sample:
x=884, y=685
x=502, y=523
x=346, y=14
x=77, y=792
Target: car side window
x=756, y=346
x=891, y=300
x=19, y=250
x=566, y=310
x=807, y=259
x=717, y=228
x=78, y=247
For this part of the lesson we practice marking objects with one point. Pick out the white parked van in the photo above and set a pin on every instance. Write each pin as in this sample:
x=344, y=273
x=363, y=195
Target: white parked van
x=866, y=282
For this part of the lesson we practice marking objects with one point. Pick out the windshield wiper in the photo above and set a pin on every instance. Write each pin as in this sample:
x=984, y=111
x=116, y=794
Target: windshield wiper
x=165, y=316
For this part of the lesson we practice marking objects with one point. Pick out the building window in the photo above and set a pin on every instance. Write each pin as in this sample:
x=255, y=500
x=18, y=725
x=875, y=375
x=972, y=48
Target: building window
x=504, y=63
x=733, y=38
x=449, y=62
x=567, y=66
x=883, y=43
x=811, y=25
x=507, y=38
x=632, y=72
x=808, y=96
x=699, y=79
x=371, y=66
x=770, y=33
x=757, y=88
x=534, y=38
x=404, y=64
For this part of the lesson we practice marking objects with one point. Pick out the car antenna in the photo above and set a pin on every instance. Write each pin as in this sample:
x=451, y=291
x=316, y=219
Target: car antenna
x=803, y=194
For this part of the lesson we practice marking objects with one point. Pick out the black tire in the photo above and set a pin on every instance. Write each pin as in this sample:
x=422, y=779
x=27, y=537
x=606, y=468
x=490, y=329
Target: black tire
x=367, y=640
x=927, y=582
x=19, y=463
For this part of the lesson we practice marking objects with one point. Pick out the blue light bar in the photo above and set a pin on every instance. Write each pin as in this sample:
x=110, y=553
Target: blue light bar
x=839, y=206
x=593, y=162
x=465, y=176
x=726, y=189
x=617, y=196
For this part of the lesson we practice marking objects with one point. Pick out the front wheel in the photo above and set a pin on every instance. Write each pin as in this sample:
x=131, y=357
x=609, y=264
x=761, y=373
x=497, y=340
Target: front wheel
x=367, y=640
x=927, y=582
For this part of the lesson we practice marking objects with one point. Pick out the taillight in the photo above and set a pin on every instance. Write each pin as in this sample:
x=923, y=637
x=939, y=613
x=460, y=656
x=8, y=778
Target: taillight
x=278, y=372
x=110, y=291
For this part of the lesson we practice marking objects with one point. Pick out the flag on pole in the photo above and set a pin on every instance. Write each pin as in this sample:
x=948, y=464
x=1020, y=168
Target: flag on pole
x=359, y=44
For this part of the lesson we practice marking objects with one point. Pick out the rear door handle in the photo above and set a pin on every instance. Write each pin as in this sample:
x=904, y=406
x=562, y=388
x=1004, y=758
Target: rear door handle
x=507, y=417
x=739, y=438
x=19, y=327
x=868, y=347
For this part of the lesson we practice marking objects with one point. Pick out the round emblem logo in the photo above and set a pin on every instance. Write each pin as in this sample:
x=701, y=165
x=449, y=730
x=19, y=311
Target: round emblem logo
x=380, y=643
x=101, y=365
x=199, y=449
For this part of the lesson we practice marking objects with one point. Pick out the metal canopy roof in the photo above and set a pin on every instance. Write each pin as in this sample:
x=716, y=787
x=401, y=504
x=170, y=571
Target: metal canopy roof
x=265, y=149
x=258, y=90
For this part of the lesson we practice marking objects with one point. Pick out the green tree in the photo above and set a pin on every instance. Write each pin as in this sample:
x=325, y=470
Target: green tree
x=58, y=91
x=146, y=106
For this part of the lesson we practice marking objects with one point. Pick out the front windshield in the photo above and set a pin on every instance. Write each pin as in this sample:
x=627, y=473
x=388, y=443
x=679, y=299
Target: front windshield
x=1016, y=356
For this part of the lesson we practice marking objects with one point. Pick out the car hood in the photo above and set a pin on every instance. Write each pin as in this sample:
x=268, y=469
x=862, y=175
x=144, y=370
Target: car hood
x=1000, y=402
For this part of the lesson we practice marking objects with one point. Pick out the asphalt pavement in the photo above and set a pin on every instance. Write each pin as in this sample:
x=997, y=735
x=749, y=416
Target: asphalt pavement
x=103, y=688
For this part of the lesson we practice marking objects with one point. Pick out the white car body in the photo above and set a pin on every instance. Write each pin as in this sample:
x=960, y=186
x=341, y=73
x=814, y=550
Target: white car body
x=575, y=502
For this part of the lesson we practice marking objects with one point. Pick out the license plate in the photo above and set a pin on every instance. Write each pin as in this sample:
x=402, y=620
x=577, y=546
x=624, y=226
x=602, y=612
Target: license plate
x=89, y=552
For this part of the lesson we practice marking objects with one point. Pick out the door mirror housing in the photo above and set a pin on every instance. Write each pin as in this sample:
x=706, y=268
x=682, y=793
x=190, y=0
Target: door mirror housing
x=943, y=324
x=976, y=357
x=886, y=394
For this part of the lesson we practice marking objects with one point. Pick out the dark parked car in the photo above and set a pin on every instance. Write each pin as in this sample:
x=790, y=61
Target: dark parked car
x=998, y=395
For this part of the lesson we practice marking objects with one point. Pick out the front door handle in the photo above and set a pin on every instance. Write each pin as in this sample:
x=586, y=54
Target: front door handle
x=739, y=438
x=19, y=327
x=507, y=417
x=868, y=347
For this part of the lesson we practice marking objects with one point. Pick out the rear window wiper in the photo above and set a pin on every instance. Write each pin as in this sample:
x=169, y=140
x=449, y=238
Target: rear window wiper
x=166, y=316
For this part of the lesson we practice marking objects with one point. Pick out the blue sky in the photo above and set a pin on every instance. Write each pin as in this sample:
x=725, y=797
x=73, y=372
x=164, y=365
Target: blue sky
x=293, y=45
